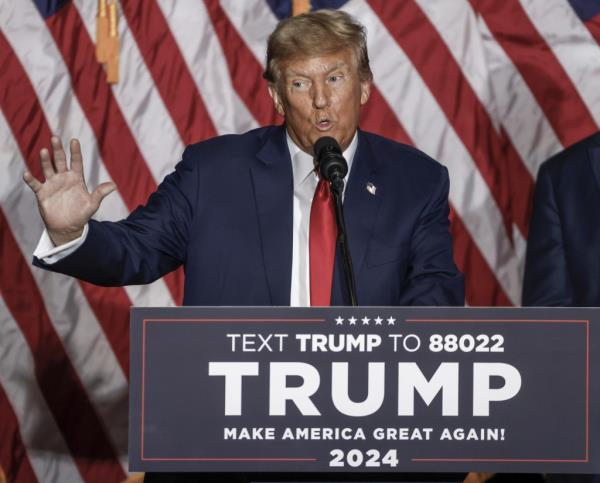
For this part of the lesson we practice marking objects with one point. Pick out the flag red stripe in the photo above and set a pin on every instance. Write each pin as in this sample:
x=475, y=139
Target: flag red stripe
x=593, y=25
x=14, y=460
x=521, y=185
x=111, y=307
x=119, y=150
x=65, y=395
x=169, y=70
x=377, y=116
x=481, y=286
x=539, y=67
x=428, y=52
x=31, y=131
x=244, y=69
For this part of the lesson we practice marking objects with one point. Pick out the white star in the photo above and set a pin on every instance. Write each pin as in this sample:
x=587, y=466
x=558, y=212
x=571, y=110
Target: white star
x=391, y=320
x=365, y=320
x=378, y=320
x=352, y=321
x=339, y=321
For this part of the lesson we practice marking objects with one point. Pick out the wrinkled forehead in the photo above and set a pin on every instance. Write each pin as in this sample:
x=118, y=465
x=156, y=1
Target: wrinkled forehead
x=319, y=64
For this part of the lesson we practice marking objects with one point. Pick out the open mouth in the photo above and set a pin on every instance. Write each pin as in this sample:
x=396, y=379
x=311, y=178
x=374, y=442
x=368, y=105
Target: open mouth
x=324, y=124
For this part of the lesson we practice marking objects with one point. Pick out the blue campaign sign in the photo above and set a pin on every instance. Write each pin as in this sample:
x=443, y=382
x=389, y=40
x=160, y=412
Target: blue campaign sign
x=370, y=389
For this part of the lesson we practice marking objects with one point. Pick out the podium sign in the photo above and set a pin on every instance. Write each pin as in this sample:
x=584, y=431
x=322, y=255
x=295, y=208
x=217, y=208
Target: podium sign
x=369, y=389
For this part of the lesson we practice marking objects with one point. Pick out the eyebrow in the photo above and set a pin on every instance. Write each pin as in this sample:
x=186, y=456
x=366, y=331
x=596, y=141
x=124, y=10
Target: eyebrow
x=339, y=65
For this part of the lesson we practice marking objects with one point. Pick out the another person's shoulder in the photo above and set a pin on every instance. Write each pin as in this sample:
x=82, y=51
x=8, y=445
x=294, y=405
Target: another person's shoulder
x=571, y=161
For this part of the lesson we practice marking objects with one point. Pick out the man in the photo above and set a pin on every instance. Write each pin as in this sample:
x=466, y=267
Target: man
x=237, y=210
x=563, y=263
x=563, y=258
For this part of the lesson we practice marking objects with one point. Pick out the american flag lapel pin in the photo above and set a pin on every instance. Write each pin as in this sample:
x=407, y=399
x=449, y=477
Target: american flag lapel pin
x=371, y=188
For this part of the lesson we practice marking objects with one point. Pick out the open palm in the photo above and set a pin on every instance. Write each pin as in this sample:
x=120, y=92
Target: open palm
x=63, y=198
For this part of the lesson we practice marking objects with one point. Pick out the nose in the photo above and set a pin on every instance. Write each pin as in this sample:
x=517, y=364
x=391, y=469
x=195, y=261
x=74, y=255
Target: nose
x=320, y=95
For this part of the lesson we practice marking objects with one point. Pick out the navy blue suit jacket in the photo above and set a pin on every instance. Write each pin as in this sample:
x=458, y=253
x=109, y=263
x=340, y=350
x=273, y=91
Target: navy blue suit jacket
x=563, y=250
x=226, y=215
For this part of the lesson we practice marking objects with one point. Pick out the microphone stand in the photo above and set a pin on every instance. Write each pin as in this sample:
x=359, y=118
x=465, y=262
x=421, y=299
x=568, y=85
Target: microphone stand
x=337, y=188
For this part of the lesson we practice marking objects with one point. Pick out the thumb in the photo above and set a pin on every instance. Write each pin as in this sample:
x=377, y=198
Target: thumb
x=101, y=191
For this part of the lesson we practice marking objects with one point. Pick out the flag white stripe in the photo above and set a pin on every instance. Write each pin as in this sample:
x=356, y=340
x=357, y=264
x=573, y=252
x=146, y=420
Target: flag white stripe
x=47, y=451
x=573, y=45
x=427, y=125
x=465, y=46
x=520, y=114
x=190, y=25
x=154, y=132
x=254, y=21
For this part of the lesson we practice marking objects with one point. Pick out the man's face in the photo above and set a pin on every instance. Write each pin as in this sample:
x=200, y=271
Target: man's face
x=320, y=96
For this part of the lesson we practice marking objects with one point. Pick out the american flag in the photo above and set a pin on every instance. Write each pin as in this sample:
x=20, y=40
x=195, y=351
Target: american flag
x=490, y=88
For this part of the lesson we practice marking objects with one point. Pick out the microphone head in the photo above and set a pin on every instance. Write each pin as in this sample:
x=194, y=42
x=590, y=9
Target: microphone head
x=329, y=158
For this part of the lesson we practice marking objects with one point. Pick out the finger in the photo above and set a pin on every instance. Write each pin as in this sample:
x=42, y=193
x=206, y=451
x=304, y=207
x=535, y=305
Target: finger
x=32, y=182
x=46, y=164
x=60, y=158
x=102, y=191
x=76, y=158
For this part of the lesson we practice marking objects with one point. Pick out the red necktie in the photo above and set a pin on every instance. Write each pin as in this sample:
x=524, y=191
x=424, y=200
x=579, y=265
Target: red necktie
x=322, y=240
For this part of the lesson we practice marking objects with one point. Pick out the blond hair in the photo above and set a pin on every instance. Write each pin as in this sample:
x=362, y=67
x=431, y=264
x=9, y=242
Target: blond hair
x=317, y=33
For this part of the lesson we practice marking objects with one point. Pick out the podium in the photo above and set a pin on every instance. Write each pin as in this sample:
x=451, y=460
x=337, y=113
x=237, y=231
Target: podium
x=343, y=390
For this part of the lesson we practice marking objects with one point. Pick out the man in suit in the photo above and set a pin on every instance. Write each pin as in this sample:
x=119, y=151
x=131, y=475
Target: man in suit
x=562, y=264
x=563, y=258
x=237, y=210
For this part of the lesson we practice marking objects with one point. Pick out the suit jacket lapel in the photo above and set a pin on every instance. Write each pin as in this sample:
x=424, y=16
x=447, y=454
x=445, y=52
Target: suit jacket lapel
x=273, y=192
x=360, y=212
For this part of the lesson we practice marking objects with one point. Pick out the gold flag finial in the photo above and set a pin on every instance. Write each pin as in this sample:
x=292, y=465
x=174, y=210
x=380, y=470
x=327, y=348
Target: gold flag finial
x=300, y=6
x=101, y=32
x=113, y=45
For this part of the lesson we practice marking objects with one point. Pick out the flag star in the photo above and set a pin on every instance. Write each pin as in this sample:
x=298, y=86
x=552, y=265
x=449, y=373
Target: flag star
x=378, y=320
x=365, y=320
x=391, y=320
x=352, y=320
x=339, y=321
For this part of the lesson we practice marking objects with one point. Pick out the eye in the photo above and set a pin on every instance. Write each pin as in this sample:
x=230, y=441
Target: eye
x=299, y=84
x=335, y=78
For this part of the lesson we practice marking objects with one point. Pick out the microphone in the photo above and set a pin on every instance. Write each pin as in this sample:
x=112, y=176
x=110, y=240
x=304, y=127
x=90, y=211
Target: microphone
x=332, y=165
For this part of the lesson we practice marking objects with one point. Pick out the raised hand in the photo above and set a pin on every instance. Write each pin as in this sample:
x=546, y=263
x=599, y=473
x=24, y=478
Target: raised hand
x=64, y=201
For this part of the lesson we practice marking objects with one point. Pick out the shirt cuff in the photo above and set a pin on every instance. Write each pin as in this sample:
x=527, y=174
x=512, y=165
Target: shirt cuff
x=48, y=253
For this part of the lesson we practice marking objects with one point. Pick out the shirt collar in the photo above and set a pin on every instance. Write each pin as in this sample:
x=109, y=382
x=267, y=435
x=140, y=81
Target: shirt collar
x=303, y=165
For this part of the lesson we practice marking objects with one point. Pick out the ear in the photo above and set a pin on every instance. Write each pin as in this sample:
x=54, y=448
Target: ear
x=276, y=100
x=365, y=91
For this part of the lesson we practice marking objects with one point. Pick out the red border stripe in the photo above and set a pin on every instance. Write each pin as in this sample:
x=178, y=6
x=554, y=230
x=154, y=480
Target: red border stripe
x=541, y=70
x=14, y=460
x=116, y=143
x=31, y=131
x=244, y=69
x=169, y=70
x=431, y=57
x=67, y=399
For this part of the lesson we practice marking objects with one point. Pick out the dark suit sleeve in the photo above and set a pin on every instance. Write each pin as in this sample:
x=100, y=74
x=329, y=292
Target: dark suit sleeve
x=547, y=281
x=149, y=243
x=433, y=279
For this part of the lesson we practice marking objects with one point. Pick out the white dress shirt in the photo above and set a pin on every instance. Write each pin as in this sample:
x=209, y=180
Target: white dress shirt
x=305, y=183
